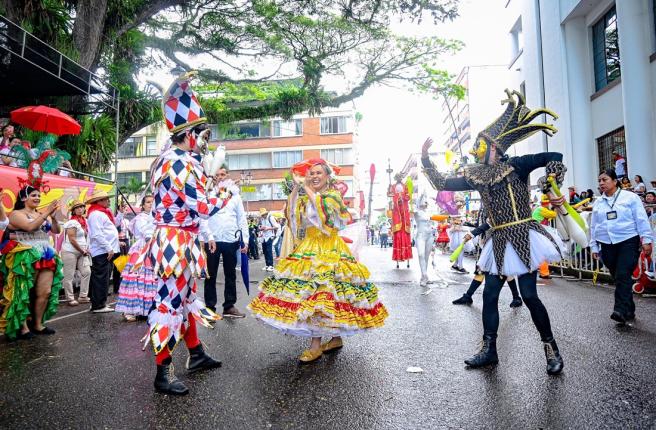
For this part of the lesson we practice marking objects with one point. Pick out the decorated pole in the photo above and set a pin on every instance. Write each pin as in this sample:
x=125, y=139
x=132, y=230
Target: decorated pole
x=372, y=175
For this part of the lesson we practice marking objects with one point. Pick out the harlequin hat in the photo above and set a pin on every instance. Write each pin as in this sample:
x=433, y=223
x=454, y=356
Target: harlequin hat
x=180, y=105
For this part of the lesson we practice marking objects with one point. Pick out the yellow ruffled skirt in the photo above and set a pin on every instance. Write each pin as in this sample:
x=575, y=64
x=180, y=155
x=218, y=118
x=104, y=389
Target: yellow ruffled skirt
x=319, y=290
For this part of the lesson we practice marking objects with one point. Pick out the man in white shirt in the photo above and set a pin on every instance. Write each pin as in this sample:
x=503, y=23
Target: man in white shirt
x=103, y=246
x=222, y=241
x=268, y=226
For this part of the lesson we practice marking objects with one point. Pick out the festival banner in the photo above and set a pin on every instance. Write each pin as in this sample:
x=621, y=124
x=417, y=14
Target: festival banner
x=58, y=187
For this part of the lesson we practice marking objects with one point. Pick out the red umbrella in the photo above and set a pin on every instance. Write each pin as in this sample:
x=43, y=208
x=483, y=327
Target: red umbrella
x=44, y=118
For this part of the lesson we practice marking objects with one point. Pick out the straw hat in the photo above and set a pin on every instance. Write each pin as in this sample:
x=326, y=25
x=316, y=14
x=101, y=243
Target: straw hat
x=98, y=195
x=263, y=211
x=75, y=204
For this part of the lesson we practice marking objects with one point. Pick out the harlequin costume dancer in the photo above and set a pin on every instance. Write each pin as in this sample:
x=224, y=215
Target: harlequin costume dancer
x=31, y=269
x=518, y=244
x=479, y=276
x=178, y=181
x=138, y=288
x=319, y=289
x=401, y=224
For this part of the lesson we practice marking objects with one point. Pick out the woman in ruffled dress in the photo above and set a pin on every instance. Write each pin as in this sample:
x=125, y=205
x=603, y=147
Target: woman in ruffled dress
x=138, y=288
x=29, y=262
x=320, y=289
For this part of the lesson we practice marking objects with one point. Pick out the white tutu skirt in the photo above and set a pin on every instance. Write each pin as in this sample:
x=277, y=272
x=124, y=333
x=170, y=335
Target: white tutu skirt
x=542, y=249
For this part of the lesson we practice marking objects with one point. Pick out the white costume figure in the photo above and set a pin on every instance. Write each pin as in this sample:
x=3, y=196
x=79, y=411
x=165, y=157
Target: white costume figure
x=424, y=237
x=457, y=235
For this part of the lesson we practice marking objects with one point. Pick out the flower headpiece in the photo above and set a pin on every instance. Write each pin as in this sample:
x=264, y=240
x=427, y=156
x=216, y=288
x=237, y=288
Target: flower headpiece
x=302, y=168
x=40, y=160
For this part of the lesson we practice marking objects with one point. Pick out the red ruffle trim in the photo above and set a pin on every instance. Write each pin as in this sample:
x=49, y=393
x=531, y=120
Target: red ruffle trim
x=46, y=264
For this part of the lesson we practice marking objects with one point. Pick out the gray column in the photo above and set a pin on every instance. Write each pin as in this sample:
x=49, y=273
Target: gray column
x=637, y=92
x=583, y=146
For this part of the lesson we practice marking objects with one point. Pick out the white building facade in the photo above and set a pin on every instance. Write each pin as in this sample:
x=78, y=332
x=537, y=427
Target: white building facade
x=591, y=62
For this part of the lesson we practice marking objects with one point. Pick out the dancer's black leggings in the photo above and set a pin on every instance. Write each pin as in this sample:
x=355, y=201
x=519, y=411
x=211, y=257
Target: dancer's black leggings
x=527, y=288
x=475, y=283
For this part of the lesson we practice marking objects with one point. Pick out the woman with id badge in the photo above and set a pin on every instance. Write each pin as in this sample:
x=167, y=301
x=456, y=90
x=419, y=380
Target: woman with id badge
x=619, y=227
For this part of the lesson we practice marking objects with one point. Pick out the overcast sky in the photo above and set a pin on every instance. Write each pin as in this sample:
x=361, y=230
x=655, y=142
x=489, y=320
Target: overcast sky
x=396, y=121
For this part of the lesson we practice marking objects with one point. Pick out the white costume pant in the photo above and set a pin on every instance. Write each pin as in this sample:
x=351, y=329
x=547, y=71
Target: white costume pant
x=424, y=244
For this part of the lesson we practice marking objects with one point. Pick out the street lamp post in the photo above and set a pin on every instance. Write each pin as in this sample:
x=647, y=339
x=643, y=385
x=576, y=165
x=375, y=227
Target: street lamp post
x=246, y=178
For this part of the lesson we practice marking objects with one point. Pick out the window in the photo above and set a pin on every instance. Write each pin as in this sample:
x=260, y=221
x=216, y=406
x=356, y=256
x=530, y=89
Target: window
x=287, y=128
x=249, y=161
x=605, y=50
x=333, y=125
x=124, y=178
x=286, y=158
x=262, y=192
x=277, y=192
x=129, y=148
x=151, y=145
x=606, y=144
x=516, y=40
x=247, y=131
x=340, y=156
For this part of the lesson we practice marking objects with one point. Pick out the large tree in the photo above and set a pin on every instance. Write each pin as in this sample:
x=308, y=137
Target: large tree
x=240, y=46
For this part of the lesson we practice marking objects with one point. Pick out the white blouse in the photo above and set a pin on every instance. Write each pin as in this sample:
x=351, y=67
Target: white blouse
x=80, y=236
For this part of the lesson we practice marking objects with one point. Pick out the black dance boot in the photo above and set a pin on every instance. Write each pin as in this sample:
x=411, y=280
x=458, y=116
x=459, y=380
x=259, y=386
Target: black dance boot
x=199, y=360
x=464, y=300
x=166, y=382
x=554, y=360
x=516, y=302
x=487, y=355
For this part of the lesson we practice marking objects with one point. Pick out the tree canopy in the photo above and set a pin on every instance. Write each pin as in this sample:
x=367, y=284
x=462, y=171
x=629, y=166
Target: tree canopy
x=280, y=53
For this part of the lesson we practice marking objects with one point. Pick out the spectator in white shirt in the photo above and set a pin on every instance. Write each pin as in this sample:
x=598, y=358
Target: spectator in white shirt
x=268, y=226
x=640, y=187
x=618, y=225
x=75, y=254
x=620, y=164
x=103, y=246
x=7, y=135
x=8, y=155
x=222, y=240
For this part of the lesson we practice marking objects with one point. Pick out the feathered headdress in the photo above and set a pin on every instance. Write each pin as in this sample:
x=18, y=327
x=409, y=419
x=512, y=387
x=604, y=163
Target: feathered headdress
x=44, y=158
x=512, y=126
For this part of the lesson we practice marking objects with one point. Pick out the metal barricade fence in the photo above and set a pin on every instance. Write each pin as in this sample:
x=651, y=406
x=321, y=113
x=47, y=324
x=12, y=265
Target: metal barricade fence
x=579, y=264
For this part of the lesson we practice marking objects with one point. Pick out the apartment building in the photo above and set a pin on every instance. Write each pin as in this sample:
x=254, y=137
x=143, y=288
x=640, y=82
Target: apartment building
x=260, y=153
x=593, y=63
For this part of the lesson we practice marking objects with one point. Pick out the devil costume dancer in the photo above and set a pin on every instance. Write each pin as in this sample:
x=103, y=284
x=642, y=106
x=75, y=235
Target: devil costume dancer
x=518, y=244
x=174, y=252
x=479, y=276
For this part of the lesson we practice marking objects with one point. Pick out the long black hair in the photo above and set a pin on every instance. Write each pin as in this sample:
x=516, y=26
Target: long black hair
x=639, y=179
x=612, y=174
x=23, y=194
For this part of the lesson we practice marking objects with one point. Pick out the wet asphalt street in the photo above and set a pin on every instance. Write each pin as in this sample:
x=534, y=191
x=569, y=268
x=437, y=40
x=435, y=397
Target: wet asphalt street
x=93, y=373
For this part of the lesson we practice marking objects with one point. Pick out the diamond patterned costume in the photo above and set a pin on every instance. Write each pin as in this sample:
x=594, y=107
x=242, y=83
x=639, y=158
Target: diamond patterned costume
x=175, y=252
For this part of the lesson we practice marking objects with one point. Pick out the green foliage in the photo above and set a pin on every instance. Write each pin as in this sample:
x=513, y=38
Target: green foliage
x=94, y=148
x=237, y=47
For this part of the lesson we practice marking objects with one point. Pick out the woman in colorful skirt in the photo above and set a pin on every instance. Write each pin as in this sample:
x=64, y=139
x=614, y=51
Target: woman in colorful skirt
x=138, y=288
x=319, y=289
x=29, y=262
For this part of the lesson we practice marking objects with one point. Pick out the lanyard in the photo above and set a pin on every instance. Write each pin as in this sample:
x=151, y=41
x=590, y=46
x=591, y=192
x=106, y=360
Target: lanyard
x=614, y=200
